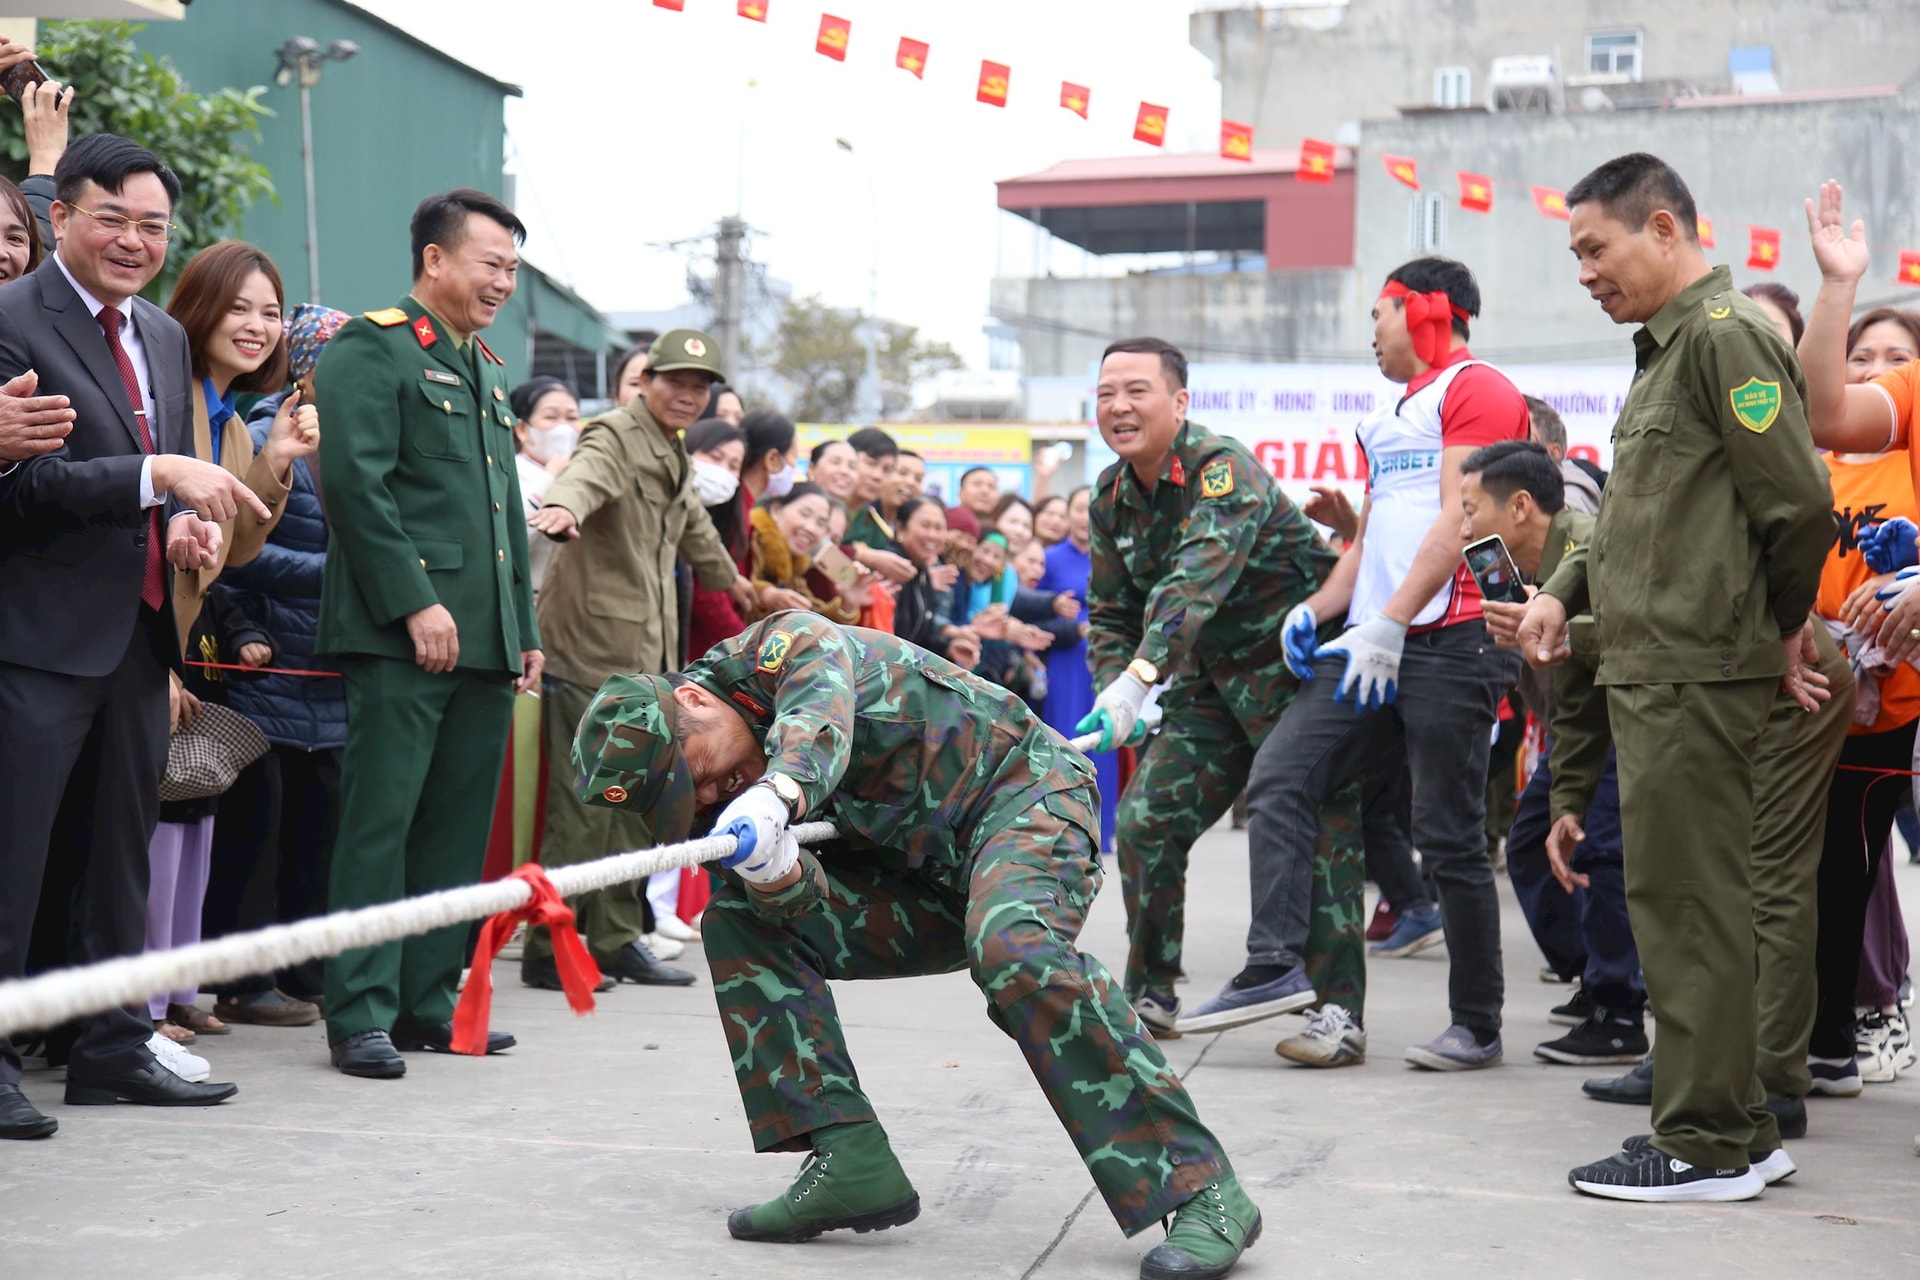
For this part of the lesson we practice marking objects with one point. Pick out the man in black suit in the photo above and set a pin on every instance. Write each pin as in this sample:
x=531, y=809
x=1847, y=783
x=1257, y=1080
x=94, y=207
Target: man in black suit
x=86, y=628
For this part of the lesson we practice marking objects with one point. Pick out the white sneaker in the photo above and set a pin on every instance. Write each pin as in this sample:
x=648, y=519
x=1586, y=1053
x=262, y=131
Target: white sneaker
x=1159, y=1012
x=190, y=1067
x=675, y=928
x=1900, y=1041
x=1333, y=1038
x=1873, y=1049
x=663, y=947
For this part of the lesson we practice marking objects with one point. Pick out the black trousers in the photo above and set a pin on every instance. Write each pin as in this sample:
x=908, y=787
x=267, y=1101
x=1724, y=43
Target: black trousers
x=272, y=848
x=81, y=758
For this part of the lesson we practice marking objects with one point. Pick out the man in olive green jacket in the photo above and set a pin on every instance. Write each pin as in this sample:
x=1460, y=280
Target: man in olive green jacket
x=1705, y=562
x=624, y=508
x=427, y=606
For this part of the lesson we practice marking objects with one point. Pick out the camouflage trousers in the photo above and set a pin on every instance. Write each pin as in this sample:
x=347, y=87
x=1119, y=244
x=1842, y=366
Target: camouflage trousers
x=1186, y=782
x=1010, y=919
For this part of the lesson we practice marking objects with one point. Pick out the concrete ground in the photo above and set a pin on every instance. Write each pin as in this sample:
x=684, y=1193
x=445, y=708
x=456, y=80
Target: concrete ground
x=614, y=1147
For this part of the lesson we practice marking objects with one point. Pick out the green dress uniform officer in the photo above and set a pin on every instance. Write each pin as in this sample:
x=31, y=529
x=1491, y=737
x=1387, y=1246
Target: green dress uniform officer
x=968, y=840
x=427, y=606
x=1705, y=562
x=610, y=605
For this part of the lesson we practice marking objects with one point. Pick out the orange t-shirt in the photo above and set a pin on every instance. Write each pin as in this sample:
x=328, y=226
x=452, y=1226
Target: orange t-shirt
x=1868, y=493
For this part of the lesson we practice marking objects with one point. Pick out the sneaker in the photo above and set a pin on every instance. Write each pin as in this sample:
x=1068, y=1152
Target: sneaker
x=1455, y=1049
x=1160, y=1012
x=675, y=928
x=1649, y=1175
x=188, y=1066
x=1333, y=1038
x=1415, y=932
x=1574, y=1012
x=1551, y=976
x=1635, y=1088
x=1597, y=1042
x=663, y=947
x=1835, y=1077
x=1873, y=1047
x=1900, y=1039
x=1380, y=928
x=1237, y=1005
x=866, y=1190
x=1772, y=1166
x=1209, y=1233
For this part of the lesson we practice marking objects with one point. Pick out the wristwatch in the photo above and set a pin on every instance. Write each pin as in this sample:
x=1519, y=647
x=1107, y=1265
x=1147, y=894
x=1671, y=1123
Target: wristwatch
x=1143, y=671
x=787, y=789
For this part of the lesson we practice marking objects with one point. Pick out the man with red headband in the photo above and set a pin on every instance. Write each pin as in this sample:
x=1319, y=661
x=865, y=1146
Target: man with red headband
x=1413, y=650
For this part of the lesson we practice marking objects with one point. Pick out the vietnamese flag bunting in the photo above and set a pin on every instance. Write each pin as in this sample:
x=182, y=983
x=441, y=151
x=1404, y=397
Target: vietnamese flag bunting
x=677, y=6
x=994, y=77
x=1075, y=97
x=1763, y=248
x=1403, y=169
x=1236, y=140
x=755, y=9
x=1909, y=267
x=912, y=57
x=1150, y=125
x=1316, y=161
x=833, y=37
x=1476, y=192
x=1551, y=202
x=1704, y=225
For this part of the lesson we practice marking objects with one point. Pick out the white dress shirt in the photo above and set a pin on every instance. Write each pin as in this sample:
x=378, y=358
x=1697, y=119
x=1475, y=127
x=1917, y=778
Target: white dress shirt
x=136, y=352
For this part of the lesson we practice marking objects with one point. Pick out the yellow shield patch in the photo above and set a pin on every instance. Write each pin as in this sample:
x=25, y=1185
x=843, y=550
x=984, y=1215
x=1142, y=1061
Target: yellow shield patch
x=774, y=650
x=1216, y=479
x=1756, y=404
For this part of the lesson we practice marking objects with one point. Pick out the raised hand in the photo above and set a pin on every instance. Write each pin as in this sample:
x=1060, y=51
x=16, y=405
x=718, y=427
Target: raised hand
x=1840, y=251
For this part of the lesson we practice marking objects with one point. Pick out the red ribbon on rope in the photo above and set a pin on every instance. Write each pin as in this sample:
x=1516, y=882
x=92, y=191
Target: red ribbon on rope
x=261, y=671
x=579, y=975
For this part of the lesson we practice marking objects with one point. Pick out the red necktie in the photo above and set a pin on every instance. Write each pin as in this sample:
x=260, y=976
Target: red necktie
x=153, y=587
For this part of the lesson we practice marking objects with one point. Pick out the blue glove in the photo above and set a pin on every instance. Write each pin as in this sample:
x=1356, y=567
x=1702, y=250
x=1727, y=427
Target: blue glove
x=1890, y=545
x=1372, y=651
x=1300, y=640
x=1902, y=582
x=757, y=818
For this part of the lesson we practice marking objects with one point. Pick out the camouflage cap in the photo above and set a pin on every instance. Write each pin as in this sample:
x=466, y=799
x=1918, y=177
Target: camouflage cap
x=684, y=349
x=625, y=756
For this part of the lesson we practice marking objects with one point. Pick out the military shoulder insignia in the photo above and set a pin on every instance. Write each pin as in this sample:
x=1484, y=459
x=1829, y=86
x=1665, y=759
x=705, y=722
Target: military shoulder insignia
x=423, y=330
x=774, y=650
x=1216, y=479
x=486, y=351
x=1756, y=404
x=1719, y=313
x=388, y=318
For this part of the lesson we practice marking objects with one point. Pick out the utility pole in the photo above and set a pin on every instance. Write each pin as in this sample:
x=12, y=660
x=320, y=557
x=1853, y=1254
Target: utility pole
x=302, y=59
x=729, y=287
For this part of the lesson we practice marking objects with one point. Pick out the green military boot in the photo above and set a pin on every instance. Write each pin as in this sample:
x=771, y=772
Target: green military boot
x=1209, y=1234
x=850, y=1181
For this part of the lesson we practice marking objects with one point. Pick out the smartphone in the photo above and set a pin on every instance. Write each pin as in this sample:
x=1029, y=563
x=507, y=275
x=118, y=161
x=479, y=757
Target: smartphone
x=837, y=565
x=16, y=79
x=1493, y=568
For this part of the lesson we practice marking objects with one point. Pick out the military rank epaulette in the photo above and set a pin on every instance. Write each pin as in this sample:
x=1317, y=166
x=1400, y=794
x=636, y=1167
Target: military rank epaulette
x=388, y=318
x=487, y=351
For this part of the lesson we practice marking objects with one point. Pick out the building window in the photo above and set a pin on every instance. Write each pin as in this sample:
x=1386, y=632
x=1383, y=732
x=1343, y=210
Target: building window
x=1426, y=223
x=1452, y=87
x=1614, y=53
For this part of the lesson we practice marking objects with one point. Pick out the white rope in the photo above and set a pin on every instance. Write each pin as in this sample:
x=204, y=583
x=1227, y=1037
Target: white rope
x=50, y=999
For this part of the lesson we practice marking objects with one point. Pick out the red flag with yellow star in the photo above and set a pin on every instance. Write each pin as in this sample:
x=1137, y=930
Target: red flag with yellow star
x=1403, y=169
x=1763, y=248
x=1909, y=267
x=994, y=79
x=1150, y=125
x=1704, y=225
x=1316, y=161
x=912, y=57
x=1551, y=202
x=1236, y=140
x=755, y=9
x=1476, y=192
x=833, y=37
x=675, y=5
x=1075, y=97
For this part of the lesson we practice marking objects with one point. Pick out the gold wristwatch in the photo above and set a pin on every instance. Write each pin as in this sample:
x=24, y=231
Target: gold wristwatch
x=787, y=789
x=1143, y=671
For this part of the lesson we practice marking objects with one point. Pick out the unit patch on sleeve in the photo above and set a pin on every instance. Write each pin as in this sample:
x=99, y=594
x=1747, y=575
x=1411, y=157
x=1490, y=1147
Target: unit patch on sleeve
x=1216, y=479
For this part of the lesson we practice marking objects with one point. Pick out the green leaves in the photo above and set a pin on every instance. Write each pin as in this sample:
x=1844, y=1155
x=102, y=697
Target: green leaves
x=820, y=352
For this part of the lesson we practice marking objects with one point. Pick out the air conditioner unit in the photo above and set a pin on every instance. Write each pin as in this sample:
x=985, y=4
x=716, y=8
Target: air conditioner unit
x=962, y=393
x=1525, y=82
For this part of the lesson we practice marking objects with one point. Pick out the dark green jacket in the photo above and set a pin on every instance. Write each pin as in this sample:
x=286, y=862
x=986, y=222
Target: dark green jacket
x=423, y=502
x=1718, y=516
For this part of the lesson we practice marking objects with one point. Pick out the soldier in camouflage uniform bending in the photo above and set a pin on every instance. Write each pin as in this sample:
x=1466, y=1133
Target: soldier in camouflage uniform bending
x=968, y=838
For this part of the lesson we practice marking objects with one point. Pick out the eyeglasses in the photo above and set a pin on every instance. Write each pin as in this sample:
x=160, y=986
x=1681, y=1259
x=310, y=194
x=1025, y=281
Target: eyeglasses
x=115, y=225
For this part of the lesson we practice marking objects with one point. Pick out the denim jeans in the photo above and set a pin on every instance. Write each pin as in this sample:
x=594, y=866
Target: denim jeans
x=1450, y=685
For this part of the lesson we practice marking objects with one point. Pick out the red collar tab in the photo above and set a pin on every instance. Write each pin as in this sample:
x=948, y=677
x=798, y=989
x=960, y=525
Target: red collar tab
x=1430, y=318
x=423, y=330
x=487, y=351
x=1177, y=473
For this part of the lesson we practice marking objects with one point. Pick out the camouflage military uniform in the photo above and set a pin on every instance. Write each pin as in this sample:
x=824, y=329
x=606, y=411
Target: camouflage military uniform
x=969, y=833
x=1195, y=577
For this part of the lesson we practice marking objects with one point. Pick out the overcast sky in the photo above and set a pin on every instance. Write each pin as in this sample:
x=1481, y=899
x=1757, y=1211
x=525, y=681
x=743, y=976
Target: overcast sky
x=636, y=119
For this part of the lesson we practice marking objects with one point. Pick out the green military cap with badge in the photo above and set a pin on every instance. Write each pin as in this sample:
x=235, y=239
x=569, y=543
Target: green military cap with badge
x=684, y=349
x=625, y=756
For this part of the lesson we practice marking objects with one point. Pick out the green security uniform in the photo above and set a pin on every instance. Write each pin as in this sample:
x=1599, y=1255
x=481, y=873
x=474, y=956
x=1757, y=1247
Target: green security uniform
x=424, y=508
x=1195, y=576
x=1706, y=552
x=969, y=838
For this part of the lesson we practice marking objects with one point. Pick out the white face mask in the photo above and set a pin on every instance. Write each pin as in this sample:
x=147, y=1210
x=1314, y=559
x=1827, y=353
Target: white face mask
x=713, y=483
x=547, y=443
x=781, y=482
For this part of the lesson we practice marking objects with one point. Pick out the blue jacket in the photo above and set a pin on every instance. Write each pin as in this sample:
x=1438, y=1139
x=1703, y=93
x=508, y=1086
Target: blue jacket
x=281, y=590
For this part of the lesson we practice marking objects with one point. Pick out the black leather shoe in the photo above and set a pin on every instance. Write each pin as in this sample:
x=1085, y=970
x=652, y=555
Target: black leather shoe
x=20, y=1118
x=151, y=1086
x=439, y=1039
x=637, y=964
x=542, y=972
x=1791, y=1113
x=369, y=1054
x=1635, y=1087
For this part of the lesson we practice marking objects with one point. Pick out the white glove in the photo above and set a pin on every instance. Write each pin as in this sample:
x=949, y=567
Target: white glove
x=1116, y=713
x=757, y=818
x=769, y=863
x=1372, y=651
